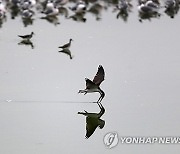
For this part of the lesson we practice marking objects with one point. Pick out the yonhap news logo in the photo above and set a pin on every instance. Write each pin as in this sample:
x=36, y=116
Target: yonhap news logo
x=150, y=140
x=111, y=139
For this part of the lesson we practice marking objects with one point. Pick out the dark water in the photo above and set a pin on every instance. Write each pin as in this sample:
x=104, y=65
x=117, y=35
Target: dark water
x=39, y=85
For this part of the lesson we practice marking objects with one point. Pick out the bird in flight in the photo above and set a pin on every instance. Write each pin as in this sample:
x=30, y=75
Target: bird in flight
x=94, y=86
x=93, y=120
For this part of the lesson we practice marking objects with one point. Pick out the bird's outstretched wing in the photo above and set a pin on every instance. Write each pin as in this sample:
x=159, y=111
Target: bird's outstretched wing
x=91, y=125
x=99, y=77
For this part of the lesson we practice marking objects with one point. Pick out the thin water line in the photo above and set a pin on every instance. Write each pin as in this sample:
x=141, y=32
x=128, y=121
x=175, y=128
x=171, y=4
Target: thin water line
x=42, y=101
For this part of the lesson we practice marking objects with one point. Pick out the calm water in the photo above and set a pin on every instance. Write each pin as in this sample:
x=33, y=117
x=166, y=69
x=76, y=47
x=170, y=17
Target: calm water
x=39, y=85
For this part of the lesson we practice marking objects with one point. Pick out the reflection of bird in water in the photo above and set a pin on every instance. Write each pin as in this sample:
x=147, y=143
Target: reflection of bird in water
x=93, y=120
x=78, y=17
x=67, y=45
x=13, y=9
x=67, y=51
x=97, y=8
x=27, y=37
x=26, y=42
x=27, y=21
x=94, y=86
x=27, y=17
x=63, y=11
x=52, y=19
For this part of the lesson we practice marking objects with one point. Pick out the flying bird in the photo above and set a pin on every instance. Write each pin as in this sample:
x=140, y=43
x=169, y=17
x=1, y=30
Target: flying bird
x=93, y=120
x=94, y=86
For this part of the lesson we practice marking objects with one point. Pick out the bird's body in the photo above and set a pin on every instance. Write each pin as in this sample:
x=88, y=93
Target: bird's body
x=80, y=7
x=66, y=46
x=93, y=120
x=94, y=86
x=2, y=10
x=27, y=14
x=27, y=37
x=27, y=4
x=50, y=10
x=149, y=7
x=60, y=3
x=170, y=4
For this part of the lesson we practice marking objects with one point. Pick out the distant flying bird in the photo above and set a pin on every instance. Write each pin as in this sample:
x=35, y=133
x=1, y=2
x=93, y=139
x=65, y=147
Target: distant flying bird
x=94, y=86
x=66, y=46
x=27, y=37
x=93, y=120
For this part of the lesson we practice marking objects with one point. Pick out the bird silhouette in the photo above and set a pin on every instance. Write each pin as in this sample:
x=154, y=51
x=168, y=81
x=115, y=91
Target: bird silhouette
x=27, y=37
x=67, y=45
x=27, y=43
x=94, y=86
x=67, y=51
x=93, y=120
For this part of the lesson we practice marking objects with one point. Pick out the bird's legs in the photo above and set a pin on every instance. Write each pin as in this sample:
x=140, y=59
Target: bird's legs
x=102, y=94
x=102, y=109
x=100, y=99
